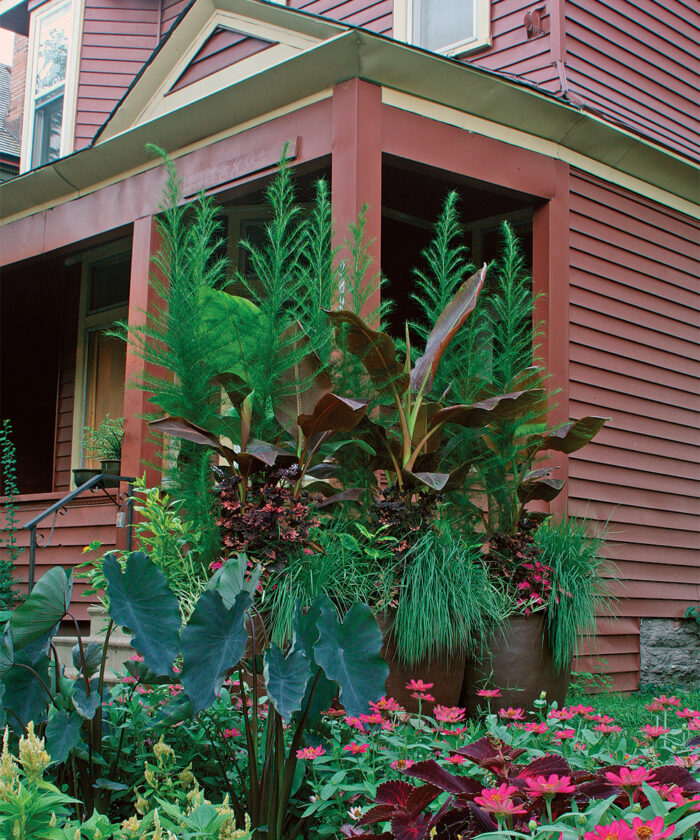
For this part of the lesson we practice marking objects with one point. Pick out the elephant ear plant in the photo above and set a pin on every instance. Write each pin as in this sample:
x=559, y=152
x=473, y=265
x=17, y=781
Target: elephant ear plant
x=327, y=659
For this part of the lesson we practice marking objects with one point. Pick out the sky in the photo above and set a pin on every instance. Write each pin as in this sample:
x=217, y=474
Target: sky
x=6, y=44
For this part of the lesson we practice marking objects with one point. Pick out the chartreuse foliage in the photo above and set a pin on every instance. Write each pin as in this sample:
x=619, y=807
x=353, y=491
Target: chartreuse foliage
x=327, y=657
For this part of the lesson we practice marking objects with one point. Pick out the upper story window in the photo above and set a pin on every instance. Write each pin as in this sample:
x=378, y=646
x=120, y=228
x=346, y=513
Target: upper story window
x=51, y=77
x=451, y=27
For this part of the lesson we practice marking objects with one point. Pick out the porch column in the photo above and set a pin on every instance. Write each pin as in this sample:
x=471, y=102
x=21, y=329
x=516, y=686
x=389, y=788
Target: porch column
x=356, y=172
x=139, y=452
x=550, y=279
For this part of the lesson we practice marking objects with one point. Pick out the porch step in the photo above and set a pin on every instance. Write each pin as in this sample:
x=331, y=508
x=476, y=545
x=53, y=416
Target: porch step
x=119, y=649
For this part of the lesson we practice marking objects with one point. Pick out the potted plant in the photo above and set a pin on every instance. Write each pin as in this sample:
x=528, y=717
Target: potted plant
x=104, y=443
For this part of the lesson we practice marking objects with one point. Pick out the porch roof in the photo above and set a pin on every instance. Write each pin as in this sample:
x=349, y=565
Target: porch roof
x=322, y=54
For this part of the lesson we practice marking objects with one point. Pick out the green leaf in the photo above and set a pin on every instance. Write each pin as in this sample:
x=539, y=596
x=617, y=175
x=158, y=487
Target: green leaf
x=62, y=734
x=177, y=709
x=286, y=678
x=93, y=657
x=349, y=654
x=212, y=643
x=306, y=635
x=86, y=705
x=141, y=601
x=45, y=606
x=229, y=580
x=25, y=698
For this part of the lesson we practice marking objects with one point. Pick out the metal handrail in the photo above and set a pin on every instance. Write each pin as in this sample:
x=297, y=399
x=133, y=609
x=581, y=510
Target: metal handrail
x=59, y=507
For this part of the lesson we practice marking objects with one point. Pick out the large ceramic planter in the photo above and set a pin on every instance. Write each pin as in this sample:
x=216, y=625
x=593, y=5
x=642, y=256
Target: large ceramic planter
x=446, y=674
x=519, y=663
x=110, y=466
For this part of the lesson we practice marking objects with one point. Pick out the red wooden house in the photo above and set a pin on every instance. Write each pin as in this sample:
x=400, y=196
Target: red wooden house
x=579, y=120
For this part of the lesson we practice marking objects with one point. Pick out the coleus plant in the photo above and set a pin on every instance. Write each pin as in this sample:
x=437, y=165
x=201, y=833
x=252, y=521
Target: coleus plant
x=506, y=796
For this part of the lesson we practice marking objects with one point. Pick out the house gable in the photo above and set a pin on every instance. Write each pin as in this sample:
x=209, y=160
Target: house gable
x=223, y=48
x=216, y=44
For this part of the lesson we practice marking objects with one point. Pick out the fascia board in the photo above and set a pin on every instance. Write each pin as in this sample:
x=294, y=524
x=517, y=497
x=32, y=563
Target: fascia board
x=491, y=97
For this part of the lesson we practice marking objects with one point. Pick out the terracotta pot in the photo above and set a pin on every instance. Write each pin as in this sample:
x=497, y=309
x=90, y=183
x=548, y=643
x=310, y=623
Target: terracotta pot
x=446, y=674
x=519, y=664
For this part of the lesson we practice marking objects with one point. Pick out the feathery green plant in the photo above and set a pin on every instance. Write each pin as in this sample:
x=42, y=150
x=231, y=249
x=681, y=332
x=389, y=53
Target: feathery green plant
x=446, y=600
x=8, y=472
x=574, y=552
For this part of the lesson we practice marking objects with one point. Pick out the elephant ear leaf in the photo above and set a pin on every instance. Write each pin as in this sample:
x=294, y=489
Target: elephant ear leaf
x=62, y=734
x=45, y=606
x=212, y=643
x=286, y=678
x=451, y=319
x=349, y=655
x=140, y=600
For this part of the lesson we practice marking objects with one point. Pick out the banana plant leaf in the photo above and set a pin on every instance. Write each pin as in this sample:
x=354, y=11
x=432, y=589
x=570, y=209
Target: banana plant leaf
x=332, y=414
x=574, y=435
x=375, y=350
x=480, y=414
x=450, y=321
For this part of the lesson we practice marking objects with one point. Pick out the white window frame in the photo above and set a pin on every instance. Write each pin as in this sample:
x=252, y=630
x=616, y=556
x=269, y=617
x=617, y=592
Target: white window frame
x=86, y=322
x=70, y=89
x=403, y=28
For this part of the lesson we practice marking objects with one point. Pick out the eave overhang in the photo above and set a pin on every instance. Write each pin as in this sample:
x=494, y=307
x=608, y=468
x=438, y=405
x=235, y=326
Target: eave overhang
x=342, y=54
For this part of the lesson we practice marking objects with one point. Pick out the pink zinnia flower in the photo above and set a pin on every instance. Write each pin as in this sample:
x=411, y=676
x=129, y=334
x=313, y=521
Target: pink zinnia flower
x=564, y=734
x=607, y=729
x=449, y=714
x=356, y=748
x=537, y=728
x=687, y=713
x=498, y=801
x=419, y=695
x=687, y=761
x=375, y=717
x=355, y=723
x=386, y=704
x=652, y=830
x=549, y=788
x=401, y=763
x=619, y=830
x=694, y=724
x=489, y=692
x=667, y=701
x=653, y=732
x=512, y=714
x=629, y=778
x=418, y=685
x=311, y=752
x=456, y=759
x=562, y=714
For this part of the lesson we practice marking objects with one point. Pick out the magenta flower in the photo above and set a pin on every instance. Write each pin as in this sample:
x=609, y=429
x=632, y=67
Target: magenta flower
x=512, y=714
x=607, y=729
x=549, y=788
x=564, y=734
x=449, y=714
x=356, y=749
x=489, y=692
x=418, y=685
x=667, y=701
x=310, y=753
x=619, y=830
x=232, y=733
x=537, y=728
x=386, y=704
x=401, y=763
x=652, y=830
x=498, y=801
x=654, y=732
x=562, y=714
x=629, y=777
x=419, y=695
x=688, y=714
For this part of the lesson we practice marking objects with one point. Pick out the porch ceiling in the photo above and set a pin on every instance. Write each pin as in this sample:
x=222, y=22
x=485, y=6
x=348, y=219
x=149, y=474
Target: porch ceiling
x=477, y=100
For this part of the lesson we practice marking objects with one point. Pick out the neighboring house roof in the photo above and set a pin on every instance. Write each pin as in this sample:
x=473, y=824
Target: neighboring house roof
x=9, y=145
x=305, y=56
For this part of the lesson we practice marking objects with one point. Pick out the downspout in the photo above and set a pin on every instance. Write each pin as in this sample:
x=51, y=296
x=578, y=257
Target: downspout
x=557, y=43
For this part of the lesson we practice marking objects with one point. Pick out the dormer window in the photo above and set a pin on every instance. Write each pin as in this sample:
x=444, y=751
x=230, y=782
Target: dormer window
x=450, y=27
x=50, y=84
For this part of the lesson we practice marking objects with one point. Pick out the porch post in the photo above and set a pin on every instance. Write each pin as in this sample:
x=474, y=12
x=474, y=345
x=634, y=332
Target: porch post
x=356, y=170
x=139, y=453
x=550, y=279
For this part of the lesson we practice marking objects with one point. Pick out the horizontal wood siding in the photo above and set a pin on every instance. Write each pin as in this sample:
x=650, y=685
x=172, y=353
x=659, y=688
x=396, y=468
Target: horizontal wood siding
x=119, y=36
x=85, y=520
x=638, y=62
x=512, y=51
x=222, y=48
x=375, y=15
x=635, y=356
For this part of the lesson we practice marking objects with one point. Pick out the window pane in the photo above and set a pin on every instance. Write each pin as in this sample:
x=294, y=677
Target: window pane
x=52, y=55
x=48, y=119
x=109, y=283
x=441, y=23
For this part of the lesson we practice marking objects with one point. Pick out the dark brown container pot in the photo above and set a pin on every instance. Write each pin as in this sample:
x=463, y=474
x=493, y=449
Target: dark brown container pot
x=519, y=664
x=446, y=674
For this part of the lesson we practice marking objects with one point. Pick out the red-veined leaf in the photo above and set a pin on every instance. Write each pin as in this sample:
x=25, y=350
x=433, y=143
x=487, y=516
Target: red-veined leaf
x=477, y=415
x=574, y=435
x=332, y=414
